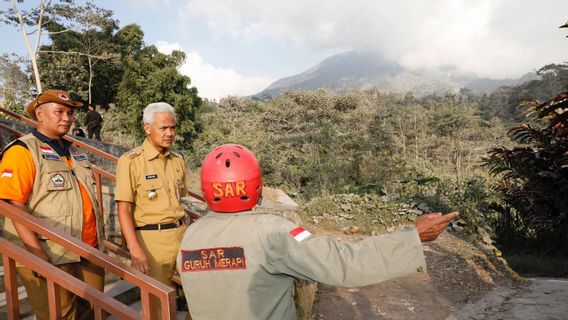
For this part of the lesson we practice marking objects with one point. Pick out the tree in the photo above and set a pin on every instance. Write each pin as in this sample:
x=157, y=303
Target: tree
x=67, y=14
x=33, y=18
x=151, y=76
x=14, y=83
x=534, y=181
x=534, y=176
x=92, y=55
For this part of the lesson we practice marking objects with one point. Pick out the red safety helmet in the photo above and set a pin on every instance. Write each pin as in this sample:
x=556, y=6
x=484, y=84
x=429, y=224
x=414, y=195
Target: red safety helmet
x=231, y=179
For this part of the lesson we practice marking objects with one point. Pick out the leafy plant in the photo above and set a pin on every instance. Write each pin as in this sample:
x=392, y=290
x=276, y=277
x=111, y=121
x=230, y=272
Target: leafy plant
x=534, y=179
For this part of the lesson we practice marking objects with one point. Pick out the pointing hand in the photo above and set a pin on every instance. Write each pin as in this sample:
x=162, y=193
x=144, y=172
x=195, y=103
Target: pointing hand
x=430, y=226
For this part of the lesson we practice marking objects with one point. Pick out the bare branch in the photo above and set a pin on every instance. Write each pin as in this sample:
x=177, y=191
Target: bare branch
x=39, y=24
x=62, y=31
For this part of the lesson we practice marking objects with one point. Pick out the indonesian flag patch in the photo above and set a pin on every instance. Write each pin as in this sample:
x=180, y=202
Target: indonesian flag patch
x=7, y=173
x=46, y=150
x=300, y=234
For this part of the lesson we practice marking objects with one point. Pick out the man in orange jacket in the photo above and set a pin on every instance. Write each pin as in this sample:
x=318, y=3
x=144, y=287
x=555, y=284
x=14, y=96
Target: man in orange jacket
x=46, y=176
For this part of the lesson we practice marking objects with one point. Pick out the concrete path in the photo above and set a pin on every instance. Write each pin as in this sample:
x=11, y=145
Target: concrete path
x=540, y=298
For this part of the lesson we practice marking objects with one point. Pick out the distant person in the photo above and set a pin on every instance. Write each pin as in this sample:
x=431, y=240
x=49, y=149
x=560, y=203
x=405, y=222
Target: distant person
x=76, y=129
x=94, y=123
x=48, y=177
x=150, y=181
x=238, y=264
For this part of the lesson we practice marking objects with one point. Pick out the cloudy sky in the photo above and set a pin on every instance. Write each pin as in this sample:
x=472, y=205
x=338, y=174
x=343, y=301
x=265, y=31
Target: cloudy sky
x=241, y=46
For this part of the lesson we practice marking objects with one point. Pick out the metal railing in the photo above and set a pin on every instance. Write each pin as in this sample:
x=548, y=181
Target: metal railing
x=57, y=278
x=147, y=284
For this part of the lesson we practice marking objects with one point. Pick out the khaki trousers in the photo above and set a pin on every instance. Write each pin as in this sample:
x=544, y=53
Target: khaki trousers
x=72, y=307
x=161, y=248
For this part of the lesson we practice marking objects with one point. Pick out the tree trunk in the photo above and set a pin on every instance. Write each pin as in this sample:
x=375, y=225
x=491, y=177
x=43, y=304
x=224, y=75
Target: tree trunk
x=90, y=77
x=31, y=51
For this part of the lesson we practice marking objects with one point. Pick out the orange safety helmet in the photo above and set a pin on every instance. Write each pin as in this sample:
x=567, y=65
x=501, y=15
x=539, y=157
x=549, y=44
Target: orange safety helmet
x=231, y=179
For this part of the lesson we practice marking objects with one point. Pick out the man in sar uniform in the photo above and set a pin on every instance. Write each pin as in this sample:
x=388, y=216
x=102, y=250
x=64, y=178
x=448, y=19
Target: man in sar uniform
x=150, y=180
x=238, y=264
x=49, y=178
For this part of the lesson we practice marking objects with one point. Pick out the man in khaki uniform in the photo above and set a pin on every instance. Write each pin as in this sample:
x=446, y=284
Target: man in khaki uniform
x=45, y=175
x=237, y=264
x=150, y=180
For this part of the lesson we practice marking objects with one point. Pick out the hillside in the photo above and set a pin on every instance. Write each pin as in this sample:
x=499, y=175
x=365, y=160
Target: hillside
x=462, y=282
x=362, y=70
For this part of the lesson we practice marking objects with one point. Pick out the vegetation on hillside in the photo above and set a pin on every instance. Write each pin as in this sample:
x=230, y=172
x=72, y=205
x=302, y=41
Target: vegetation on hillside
x=367, y=159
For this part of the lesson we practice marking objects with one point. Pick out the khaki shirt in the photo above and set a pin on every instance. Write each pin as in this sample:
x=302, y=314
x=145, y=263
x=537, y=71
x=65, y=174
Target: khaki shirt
x=153, y=183
x=242, y=266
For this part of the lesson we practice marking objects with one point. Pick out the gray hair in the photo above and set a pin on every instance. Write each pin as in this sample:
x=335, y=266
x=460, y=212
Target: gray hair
x=153, y=108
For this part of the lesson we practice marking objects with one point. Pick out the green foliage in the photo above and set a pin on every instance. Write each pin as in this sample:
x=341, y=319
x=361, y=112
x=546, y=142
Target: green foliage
x=310, y=148
x=84, y=55
x=14, y=84
x=534, y=180
x=151, y=76
x=503, y=102
x=369, y=212
x=101, y=65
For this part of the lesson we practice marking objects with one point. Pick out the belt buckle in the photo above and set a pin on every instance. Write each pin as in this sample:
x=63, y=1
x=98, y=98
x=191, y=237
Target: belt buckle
x=159, y=227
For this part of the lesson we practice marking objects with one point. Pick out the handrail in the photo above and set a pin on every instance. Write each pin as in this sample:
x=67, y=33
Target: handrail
x=11, y=131
x=147, y=284
x=18, y=117
x=118, y=249
x=67, y=137
x=55, y=278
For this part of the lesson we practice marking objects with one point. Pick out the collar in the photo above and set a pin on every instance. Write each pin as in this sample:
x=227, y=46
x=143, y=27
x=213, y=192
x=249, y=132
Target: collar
x=62, y=151
x=228, y=214
x=150, y=152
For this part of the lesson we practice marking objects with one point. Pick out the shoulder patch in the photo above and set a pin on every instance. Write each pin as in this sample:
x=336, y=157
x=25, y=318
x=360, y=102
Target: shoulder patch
x=7, y=173
x=177, y=154
x=213, y=259
x=300, y=234
x=133, y=153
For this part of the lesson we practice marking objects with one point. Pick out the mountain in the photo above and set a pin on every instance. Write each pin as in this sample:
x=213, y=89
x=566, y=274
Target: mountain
x=362, y=70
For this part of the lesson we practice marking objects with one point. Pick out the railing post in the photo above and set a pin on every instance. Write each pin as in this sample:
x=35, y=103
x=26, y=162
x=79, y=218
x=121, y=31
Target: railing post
x=54, y=301
x=145, y=300
x=99, y=191
x=11, y=288
x=168, y=309
x=99, y=313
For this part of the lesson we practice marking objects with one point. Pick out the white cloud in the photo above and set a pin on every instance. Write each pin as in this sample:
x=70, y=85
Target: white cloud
x=147, y=3
x=498, y=38
x=213, y=82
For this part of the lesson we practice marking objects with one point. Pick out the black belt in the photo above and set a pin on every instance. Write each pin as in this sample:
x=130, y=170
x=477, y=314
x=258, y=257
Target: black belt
x=162, y=226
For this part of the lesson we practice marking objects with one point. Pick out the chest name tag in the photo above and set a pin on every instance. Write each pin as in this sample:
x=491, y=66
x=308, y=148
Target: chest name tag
x=48, y=156
x=213, y=259
x=151, y=177
x=80, y=157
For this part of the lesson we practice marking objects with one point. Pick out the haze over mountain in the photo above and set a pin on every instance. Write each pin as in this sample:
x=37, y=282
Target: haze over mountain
x=363, y=70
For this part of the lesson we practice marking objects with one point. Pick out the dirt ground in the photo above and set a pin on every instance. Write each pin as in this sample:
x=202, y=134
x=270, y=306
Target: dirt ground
x=458, y=274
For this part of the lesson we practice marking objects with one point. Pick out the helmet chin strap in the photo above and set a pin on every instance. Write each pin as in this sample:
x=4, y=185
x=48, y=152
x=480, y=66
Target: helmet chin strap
x=259, y=202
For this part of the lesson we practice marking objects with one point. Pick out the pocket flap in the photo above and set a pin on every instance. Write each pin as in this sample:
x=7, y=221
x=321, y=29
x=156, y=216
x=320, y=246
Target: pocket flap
x=149, y=185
